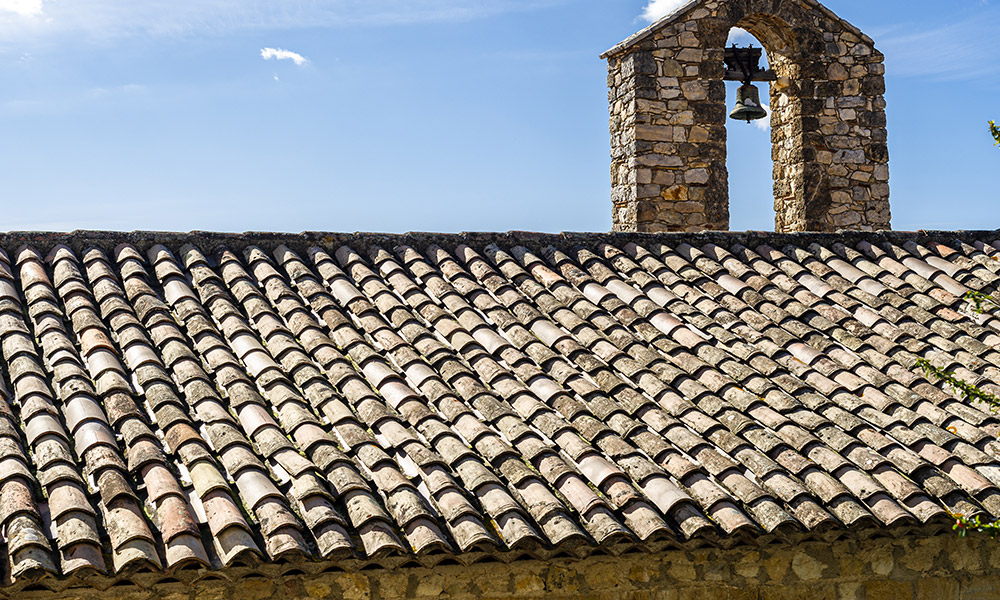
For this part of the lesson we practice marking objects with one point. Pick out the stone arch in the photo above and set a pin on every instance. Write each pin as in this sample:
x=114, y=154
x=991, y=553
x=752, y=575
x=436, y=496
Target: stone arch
x=668, y=119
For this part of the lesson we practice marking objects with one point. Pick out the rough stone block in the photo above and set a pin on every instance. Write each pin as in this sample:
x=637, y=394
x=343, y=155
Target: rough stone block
x=654, y=133
x=938, y=588
x=836, y=72
x=694, y=90
x=655, y=160
x=888, y=590
x=696, y=176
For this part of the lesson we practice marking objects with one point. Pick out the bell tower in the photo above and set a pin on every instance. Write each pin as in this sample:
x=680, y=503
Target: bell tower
x=668, y=119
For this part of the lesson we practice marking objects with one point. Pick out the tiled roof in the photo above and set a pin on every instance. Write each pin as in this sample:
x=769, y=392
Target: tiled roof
x=207, y=400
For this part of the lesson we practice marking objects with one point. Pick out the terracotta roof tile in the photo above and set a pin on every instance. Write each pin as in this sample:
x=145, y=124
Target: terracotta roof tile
x=295, y=397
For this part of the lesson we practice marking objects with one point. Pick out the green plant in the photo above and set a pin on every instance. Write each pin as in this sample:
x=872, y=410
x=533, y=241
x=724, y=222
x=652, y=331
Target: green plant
x=968, y=391
x=980, y=304
x=963, y=525
x=980, y=301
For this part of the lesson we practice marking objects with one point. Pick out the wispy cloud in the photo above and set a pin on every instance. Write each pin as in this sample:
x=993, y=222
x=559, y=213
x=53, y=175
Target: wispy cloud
x=657, y=9
x=26, y=20
x=959, y=51
x=62, y=103
x=280, y=54
x=100, y=93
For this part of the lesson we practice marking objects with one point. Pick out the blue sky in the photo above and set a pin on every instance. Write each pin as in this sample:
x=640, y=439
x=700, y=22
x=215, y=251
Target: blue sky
x=414, y=115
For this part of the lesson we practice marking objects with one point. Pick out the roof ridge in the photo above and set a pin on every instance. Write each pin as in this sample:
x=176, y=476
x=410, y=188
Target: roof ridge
x=82, y=239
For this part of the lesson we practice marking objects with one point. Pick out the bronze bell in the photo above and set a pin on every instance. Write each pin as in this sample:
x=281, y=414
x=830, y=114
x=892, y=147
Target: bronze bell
x=748, y=106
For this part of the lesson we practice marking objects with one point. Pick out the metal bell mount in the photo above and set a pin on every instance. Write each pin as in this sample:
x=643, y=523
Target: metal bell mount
x=743, y=65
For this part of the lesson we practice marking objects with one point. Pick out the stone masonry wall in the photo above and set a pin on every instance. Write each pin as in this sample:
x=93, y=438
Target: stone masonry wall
x=943, y=567
x=668, y=120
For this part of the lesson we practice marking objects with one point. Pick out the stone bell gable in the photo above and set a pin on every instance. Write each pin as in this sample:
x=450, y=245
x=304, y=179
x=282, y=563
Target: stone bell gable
x=828, y=127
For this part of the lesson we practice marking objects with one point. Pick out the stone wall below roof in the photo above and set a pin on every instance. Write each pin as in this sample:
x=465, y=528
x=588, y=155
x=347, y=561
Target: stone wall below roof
x=828, y=126
x=940, y=567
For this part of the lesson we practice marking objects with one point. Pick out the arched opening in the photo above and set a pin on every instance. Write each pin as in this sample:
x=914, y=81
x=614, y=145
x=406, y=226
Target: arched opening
x=749, y=152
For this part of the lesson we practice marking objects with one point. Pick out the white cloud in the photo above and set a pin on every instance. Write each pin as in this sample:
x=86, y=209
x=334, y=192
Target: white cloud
x=279, y=54
x=765, y=123
x=23, y=8
x=657, y=9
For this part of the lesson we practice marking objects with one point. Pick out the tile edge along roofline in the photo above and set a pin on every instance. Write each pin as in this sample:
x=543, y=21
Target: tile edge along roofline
x=184, y=579
x=107, y=240
x=514, y=340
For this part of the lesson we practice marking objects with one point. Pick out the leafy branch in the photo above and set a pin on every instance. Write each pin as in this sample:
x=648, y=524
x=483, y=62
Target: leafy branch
x=979, y=300
x=963, y=525
x=967, y=390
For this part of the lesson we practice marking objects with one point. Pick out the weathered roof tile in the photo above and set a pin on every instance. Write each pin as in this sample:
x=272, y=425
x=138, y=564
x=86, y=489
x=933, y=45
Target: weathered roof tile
x=445, y=394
